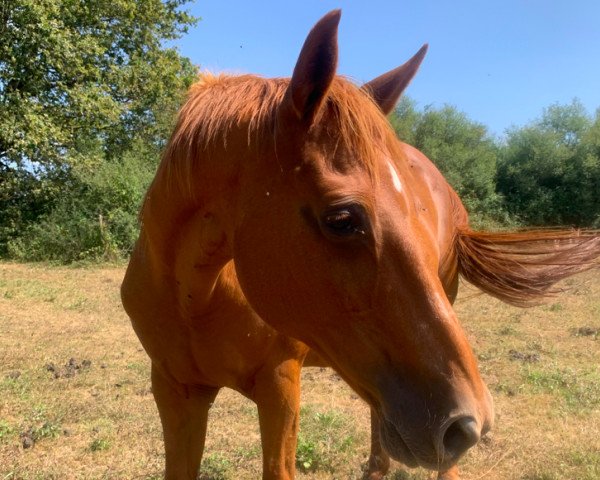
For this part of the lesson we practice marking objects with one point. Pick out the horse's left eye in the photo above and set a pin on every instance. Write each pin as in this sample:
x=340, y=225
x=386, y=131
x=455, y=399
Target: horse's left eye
x=344, y=222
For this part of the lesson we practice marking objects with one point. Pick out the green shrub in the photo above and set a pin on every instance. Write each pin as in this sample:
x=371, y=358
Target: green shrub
x=94, y=218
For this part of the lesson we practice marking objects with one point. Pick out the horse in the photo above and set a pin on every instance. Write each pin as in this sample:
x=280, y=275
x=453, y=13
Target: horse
x=286, y=226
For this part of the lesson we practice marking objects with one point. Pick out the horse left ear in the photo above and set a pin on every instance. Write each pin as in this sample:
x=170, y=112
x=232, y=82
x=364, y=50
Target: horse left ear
x=387, y=88
x=315, y=69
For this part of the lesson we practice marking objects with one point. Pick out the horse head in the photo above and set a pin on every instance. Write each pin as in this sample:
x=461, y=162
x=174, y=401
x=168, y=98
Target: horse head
x=336, y=244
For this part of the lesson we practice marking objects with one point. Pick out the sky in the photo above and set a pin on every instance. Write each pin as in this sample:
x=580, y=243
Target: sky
x=499, y=61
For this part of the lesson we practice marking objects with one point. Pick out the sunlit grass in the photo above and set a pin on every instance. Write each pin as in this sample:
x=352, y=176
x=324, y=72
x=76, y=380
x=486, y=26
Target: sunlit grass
x=99, y=420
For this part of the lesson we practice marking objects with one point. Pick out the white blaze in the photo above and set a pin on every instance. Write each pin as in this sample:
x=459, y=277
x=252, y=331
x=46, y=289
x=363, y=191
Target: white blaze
x=395, y=178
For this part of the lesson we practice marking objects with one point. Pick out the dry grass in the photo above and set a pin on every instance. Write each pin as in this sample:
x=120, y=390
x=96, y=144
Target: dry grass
x=97, y=420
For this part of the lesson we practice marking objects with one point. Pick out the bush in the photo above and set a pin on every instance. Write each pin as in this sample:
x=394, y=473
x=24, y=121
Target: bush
x=549, y=171
x=95, y=218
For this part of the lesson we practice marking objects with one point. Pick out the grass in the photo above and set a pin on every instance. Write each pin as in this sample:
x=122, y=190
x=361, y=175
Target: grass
x=325, y=441
x=579, y=389
x=92, y=415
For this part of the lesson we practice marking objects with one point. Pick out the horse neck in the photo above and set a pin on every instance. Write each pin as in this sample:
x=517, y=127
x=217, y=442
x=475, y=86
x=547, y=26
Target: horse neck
x=450, y=216
x=191, y=218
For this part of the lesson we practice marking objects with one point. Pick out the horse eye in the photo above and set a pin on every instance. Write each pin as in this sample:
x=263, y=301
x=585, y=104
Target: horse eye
x=344, y=222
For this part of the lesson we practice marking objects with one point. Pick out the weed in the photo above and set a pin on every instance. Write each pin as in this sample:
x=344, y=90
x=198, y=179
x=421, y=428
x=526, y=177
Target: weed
x=588, y=463
x=329, y=420
x=576, y=389
x=507, y=330
x=141, y=368
x=308, y=456
x=215, y=467
x=99, y=444
x=78, y=303
x=42, y=427
x=555, y=307
x=46, y=430
x=33, y=289
x=5, y=430
x=18, y=387
x=487, y=355
x=506, y=389
x=250, y=410
x=324, y=440
x=248, y=453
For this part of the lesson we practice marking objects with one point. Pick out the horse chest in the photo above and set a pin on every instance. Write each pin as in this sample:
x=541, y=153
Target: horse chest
x=221, y=343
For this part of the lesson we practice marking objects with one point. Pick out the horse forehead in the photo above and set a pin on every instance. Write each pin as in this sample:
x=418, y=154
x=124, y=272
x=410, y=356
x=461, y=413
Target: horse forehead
x=394, y=175
x=343, y=170
x=330, y=180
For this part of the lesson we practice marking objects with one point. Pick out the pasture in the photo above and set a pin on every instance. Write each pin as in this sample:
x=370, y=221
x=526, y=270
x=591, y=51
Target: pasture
x=75, y=399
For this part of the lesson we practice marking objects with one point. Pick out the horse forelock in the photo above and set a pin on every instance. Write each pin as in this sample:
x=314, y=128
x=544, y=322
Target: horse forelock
x=218, y=105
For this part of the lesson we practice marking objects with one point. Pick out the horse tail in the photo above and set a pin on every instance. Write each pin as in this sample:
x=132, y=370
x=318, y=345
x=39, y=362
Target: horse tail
x=521, y=268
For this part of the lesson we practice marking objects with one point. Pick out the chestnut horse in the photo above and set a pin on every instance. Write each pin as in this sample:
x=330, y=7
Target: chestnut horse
x=286, y=216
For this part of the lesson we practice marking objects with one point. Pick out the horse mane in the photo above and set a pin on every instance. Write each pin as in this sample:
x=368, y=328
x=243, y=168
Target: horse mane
x=521, y=268
x=218, y=105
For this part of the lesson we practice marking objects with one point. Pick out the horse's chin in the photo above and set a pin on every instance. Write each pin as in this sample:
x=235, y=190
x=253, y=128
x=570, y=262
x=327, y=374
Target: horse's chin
x=395, y=445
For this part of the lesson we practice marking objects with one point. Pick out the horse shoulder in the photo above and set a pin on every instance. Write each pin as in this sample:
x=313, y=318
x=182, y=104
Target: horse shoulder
x=192, y=317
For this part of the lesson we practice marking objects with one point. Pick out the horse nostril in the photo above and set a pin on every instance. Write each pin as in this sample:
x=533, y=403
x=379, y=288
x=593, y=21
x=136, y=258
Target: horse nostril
x=461, y=435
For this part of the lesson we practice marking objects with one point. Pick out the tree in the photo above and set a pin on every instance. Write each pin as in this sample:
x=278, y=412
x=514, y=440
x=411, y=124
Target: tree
x=95, y=217
x=404, y=120
x=83, y=84
x=88, y=71
x=549, y=171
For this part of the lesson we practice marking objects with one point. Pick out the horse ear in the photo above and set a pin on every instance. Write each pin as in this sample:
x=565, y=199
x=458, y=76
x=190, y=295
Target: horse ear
x=387, y=88
x=315, y=68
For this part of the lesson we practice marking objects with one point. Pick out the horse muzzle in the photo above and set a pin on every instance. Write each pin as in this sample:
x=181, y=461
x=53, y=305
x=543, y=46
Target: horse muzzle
x=454, y=437
x=432, y=438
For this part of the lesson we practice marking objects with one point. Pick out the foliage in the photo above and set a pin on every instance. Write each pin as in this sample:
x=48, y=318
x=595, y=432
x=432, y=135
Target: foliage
x=323, y=440
x=84, y=86
x=579, y=390
x=544, y=174
x=549, y=171
x=5, y=430
x=215, y=467
x=94, y=218
x=23, y=198
x=88, y=93
x=99, y=444
x=72, y=72
x=405, y=119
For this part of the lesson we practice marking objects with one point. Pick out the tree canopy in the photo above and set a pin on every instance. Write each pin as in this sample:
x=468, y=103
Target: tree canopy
x=549, y=171
x=546, y=173
x=83, y=84
x=81, y=73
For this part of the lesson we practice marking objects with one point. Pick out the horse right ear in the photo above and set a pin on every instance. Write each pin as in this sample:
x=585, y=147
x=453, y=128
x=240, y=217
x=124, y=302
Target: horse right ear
x=387, y=88
x=315, y=70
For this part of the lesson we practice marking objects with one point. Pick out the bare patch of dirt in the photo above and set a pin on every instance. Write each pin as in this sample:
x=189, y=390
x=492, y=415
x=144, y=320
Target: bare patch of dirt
x=70, y=369
x=523, y=357
x=27, y=440
x=586, y=331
